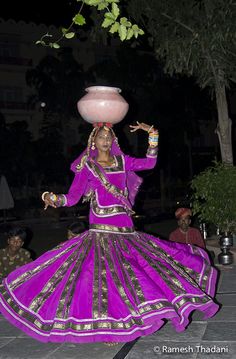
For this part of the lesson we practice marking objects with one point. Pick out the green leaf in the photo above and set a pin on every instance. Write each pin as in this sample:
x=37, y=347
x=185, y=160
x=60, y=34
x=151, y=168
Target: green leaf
x=38, y=42
x=64, y=30
x=115, y=10
x=135, y=28
x=69, y=35
x=92, y=2
x=124, y=21
x=114, y=28
x=107, y=23
x=55, y=45
x=110, y=16
x=103, y=5
x=137, y=31
x=79, y=20
x=130, y=33
x=109, y=19
x=122, y=32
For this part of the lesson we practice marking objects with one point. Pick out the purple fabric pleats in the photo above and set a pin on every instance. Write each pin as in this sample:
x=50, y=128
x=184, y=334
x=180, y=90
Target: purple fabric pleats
x=102, y=286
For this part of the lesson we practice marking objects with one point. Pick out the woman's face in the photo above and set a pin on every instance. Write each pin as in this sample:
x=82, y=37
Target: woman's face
x=103, y=140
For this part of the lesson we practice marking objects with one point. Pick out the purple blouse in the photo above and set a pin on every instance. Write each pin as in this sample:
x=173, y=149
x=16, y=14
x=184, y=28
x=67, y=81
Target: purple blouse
x=107, y=207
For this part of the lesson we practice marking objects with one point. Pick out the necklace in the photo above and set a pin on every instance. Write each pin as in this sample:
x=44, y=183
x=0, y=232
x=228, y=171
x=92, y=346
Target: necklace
x=107, y=163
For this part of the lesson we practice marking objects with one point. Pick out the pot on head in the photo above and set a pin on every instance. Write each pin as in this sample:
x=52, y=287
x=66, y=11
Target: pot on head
x=102, y=104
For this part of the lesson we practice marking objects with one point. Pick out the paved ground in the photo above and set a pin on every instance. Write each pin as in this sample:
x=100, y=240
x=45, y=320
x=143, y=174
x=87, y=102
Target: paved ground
x=215, y=338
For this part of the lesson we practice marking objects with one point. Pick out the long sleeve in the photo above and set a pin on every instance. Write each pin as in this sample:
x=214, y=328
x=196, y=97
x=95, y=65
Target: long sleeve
x=77, y=187
x=140, y=164
x=192, y=236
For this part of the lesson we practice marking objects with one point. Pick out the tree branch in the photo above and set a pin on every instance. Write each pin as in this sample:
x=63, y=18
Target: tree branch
x=230, y=52
x=210, y=61
x=178, y=22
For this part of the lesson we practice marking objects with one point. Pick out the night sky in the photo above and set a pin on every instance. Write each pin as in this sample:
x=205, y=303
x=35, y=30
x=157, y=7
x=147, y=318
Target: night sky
x=49, y=12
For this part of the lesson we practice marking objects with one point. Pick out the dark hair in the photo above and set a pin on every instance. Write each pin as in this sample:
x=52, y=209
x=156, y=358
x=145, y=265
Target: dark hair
x=105, y=128
x=17, y=231
x=76, y=227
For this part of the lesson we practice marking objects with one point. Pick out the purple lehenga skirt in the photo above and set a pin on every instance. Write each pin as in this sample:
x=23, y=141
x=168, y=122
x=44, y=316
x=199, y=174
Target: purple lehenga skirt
x=109, y=287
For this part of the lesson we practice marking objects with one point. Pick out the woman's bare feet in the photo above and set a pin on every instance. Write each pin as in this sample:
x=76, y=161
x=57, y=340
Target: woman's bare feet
x=111, y=344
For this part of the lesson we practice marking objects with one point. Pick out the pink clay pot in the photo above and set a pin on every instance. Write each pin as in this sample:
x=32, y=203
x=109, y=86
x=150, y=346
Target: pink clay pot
x=102, y=104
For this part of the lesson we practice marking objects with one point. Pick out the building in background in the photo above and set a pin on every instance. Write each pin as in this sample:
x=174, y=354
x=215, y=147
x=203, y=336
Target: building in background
x=18, y=54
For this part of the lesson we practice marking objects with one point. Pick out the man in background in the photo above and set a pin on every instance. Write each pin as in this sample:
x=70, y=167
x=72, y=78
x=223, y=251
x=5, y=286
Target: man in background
x=14, y=256
x=184, y=233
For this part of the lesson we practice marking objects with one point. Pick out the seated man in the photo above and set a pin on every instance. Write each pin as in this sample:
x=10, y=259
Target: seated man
x=184, y=233
x=13, y=256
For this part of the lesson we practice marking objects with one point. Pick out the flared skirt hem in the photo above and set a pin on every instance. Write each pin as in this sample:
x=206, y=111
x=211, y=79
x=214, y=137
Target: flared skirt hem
x=150, y=326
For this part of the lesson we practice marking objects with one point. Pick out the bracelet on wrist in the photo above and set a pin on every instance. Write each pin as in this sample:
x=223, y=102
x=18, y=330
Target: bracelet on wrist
x=153, y=144
x=153, y=131
x=53, y=197
x=60, y=201
x=150, y=129
x=43, y=195
x=153, y=139
x=152, y=151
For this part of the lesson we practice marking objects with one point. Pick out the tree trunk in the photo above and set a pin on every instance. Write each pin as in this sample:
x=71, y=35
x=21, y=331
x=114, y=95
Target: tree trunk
x=224, y=125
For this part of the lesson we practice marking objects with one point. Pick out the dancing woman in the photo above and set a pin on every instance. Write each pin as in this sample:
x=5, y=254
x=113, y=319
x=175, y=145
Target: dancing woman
x=110, y=283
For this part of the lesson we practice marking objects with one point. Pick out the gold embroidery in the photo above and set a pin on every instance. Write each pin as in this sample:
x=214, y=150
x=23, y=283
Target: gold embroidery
x=151, y=245
x=96, y=279
x=118, y=283
x=128, y=280
x=180, y=302
x=108, y=228
x=111, y=188
x=103, y=278
x=88, y=196
x=106, y=211
x=100, y=324
x=98, y=173
x=29, y=274
x=206, y=276
x=119, y=167
x=207, y=270
x=117, y=192
x=110, y=256
x=184, y=271
x=80, y=165
x=69, y=289
x=49, y=287
x=166, y=275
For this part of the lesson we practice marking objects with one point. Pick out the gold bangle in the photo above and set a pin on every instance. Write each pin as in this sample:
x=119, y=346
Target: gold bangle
x=150, y=129
x=53, y=197
x=44, y=194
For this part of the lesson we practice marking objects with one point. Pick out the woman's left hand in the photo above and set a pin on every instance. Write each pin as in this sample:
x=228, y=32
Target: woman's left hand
x=140, y=126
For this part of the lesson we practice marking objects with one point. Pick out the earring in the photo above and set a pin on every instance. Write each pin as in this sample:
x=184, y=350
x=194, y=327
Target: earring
x=93, y=146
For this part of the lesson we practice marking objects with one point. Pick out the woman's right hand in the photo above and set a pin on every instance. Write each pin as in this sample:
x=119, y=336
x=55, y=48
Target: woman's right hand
x=48, y=201
x=141, y=126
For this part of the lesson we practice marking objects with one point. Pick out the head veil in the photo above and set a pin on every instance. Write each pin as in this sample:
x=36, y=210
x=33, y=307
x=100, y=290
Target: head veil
x=133, y=181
